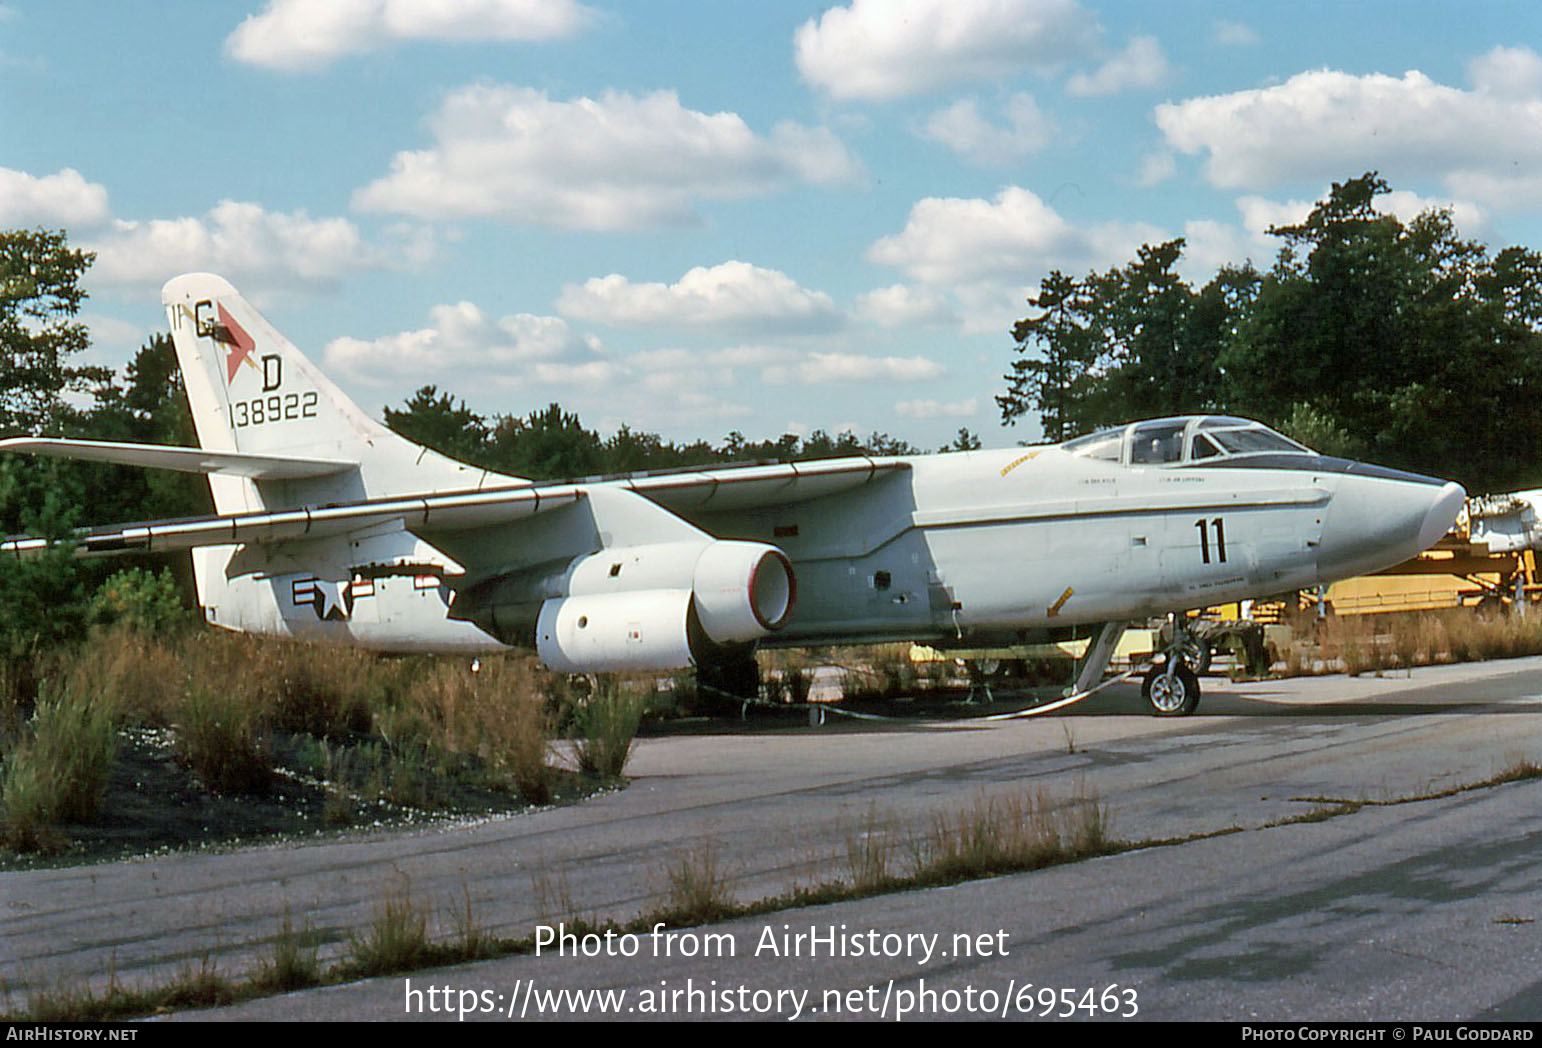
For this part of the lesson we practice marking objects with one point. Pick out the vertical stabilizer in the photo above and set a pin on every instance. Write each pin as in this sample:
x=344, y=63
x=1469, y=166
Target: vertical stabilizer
x=252, y=390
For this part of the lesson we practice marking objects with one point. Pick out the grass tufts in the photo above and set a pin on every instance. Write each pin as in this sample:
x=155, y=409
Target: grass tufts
x=1011, y=832
x=292, y=962
x=871, y=854
x=396, y=939
x=606, y=724
x=58, y=770
x=699, y=888
x=221, y=738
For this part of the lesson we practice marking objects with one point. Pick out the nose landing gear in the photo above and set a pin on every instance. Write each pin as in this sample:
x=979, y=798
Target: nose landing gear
x=1171, y=688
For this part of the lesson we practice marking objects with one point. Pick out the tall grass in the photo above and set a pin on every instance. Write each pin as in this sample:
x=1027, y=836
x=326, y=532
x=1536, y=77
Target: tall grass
x=293, y=961
x=221, y=737
x=495, y=711
x=606, y=722
x=1018, y=831
x=396, y=939
x=698, y=885
x=871, y=853
x=57, y=772
x=1357, y=644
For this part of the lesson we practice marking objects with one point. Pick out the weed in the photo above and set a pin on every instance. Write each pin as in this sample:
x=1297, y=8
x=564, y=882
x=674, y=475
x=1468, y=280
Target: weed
x=139, y=670
x=1520, y=769
x=493, y=710
x=870, y=854
x=396, y=939
x=1319, y=813
x=699, y=888
x=78, y=1002
x=200, y=987
x=471, y=939
x=996, y=834
x=58, y=772
x=292, y=962
x=554, y=896
x=320, y=690
x=220, y=737
x=607, y=724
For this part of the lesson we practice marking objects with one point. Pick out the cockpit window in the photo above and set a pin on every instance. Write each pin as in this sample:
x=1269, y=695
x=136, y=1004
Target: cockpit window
x=1158, y=442
x=1203, y=447
x=1255, y=440
x=1170, y=441
x=1105, y=444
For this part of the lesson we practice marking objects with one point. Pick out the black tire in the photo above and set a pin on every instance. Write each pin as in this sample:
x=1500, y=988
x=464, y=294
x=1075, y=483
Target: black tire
x=1175, y=696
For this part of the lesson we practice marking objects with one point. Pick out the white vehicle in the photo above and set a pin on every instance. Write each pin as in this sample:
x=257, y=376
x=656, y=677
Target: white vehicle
x=331, y=526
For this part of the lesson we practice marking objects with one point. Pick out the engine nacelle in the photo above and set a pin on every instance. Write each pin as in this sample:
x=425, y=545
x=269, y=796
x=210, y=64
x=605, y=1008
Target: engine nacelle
x=743, y=590
x=606, y=632
x=654, y=607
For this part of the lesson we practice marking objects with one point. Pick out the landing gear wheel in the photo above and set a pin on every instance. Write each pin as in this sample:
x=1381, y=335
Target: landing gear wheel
x=1196, y=654
x=1170, y=696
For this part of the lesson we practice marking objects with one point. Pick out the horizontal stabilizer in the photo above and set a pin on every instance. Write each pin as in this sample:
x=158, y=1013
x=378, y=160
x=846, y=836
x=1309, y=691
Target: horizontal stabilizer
x=188, y=460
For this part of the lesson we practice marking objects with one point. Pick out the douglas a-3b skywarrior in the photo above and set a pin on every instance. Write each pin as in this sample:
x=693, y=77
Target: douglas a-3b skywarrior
x=331, y=526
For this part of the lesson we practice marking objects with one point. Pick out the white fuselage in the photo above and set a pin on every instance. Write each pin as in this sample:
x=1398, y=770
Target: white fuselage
x=964, y=546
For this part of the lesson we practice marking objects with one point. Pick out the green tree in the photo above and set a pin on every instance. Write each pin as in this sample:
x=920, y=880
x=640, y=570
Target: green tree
x=1401, y=342
x=1134, y=342
x=965, y=441
x=151, y=408
x=41, y=598
x=1061, y=382
x=1408, y=340
x=549, y=444
x=40, y=296
x=434, y=420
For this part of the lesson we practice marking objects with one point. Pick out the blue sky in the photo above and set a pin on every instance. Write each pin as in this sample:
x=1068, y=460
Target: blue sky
x=696, y=217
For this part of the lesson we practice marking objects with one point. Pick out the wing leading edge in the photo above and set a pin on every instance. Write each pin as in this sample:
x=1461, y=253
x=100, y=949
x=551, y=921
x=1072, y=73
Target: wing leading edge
x=425, y=515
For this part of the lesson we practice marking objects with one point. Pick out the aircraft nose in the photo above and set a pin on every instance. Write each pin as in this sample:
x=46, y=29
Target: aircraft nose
x=1374, y=522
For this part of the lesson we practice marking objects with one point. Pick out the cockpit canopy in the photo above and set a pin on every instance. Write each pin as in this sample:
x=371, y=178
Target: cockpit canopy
x=1191, y=438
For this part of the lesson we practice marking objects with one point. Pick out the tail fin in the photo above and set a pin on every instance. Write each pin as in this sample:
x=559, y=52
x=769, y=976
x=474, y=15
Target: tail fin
x=252, y=391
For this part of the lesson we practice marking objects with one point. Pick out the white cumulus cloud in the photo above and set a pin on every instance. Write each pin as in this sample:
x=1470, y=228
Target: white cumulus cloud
x=987, y=254
x=463, y=343
x=904, y=305
x=1013, y=237
x=1326, y=125
x=1141, y=64
x=820, y=368
x=295, y=35
x=929, y=408
x=64, y=198
x=251, y=246
x=1510, y=71
x=962, y=129
x=617, y=162
x=891, y=48
x=733, y=296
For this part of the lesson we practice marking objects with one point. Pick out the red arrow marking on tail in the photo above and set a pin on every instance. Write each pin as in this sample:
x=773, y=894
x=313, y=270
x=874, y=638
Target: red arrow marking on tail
x=242, y=350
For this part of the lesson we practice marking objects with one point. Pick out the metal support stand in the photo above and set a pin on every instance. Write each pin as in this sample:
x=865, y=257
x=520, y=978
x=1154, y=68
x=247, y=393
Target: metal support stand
x=1098, y=655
